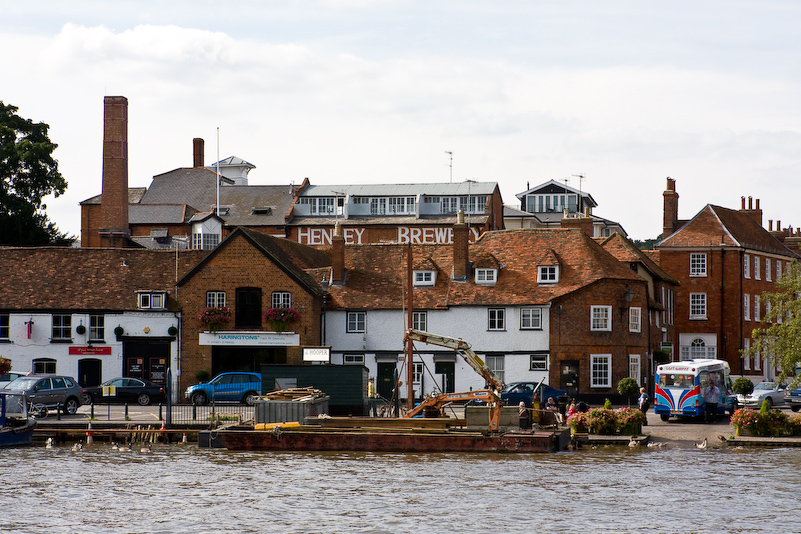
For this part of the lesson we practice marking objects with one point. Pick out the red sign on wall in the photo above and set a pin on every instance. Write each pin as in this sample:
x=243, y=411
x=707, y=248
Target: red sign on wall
x=99, y=351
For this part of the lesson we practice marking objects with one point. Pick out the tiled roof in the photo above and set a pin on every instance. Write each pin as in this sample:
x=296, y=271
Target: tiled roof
x=59, y=278
x=626, y=251
x=375, y=276
x=715, y=226
x=295, y=259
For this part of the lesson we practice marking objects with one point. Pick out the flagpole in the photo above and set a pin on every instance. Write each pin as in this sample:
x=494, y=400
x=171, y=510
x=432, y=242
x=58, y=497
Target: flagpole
x=218, y=171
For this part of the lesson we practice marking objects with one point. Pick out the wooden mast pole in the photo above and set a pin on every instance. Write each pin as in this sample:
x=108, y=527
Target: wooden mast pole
x=409, y=344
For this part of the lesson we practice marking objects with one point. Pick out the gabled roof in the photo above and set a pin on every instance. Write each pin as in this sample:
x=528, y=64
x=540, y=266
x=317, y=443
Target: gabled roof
x=231, y=161
x=552, y=186
x=715, y=226
x=376, y=273
x=61, y=278
x=293, y=258
x=624, y=250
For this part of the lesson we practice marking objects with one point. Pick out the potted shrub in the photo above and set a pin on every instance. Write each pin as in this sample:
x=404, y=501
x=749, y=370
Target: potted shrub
x=578, y=423
x=280, y=318
x=213, y=318
x=745, y=421
x=742, y=387
x=602, y=421
x=630, y=421
x=628, y=387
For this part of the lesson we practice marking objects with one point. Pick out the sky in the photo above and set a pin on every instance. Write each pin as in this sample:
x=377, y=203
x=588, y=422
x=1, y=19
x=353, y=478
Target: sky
x=624, y=93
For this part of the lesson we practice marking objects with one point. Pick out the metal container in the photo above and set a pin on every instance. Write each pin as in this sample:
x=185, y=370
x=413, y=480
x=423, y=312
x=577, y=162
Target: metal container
x=283, y=411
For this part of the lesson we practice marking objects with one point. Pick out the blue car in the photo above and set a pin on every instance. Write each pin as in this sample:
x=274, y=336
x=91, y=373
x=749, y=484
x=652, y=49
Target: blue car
x=238, y=386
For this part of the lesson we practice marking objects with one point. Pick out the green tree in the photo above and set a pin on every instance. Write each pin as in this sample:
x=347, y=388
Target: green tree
x=780, y=340
x=628, y=387
x=28, y=173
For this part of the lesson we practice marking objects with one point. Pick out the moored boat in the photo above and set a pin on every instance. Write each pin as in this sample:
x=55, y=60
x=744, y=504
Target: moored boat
x=16, y=427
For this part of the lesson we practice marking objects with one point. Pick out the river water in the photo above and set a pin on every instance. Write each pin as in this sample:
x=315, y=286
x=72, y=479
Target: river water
x=180, y=488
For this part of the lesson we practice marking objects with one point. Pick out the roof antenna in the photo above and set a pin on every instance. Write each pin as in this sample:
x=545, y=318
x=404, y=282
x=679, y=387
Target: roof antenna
x=581, y=177
x=448, y=152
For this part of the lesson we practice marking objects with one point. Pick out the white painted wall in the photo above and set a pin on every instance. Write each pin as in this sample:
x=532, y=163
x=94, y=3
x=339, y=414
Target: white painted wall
x=384, y=334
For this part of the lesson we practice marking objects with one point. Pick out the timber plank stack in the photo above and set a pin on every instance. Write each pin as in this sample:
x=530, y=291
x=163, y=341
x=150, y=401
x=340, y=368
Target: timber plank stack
x=294, y=394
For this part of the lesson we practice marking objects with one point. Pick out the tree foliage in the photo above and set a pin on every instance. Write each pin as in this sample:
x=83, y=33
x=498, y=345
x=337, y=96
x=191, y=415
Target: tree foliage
x=28, y=173
x=780, y=340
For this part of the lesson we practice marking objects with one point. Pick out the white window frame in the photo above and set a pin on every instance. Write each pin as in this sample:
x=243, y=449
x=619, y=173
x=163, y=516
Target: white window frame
x=757, y=269
x=698, y=264
x=61, y=327
x=486, y=277
x=420, y=320
x=601, y=318
x=635, y=367
x=746, y=307
x=356, y=322
x=281, y=299
x=698, y=308
x=5, y=326
x=747, y=265
x=746, y=356
x=353, y=359
x=778, y=270
x=538, y=362
x=151, y=300
x=424, y=278
x=600, y=370
x=547, y=274
x=531, y=319
x=496, y=363
x=635, y=319
x=757, y=308
x=97, y=327
x=496, y=319
x=768, y=273
x=215, y=299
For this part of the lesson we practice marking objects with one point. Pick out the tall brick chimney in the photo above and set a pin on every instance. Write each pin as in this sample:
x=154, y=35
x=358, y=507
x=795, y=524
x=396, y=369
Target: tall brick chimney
x=337, y=255
x=754, y=212
x=114, y=230
x=461, y=238
x=198, y=156
x=670, y=216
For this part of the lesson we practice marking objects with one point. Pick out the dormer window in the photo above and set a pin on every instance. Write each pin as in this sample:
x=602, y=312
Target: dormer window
x=261, y=210
x=151, y=300
x=547, y=274
x=424, y=278
x=486, y=277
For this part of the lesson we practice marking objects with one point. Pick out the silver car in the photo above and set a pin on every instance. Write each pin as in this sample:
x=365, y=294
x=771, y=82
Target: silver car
x=773, y=392
x=49, y=392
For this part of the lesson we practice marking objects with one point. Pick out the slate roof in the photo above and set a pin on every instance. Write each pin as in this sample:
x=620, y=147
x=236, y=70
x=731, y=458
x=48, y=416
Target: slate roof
x=382, y=190
x=60, y=278
x=715, y=226
x=196, y=187
x=375, y=274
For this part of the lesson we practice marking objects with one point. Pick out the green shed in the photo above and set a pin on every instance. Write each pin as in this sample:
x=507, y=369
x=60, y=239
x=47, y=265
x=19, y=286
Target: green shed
x=346, y=385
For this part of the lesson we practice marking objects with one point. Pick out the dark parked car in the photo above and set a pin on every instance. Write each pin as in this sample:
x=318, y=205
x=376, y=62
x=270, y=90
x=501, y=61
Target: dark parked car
x=125, y=390
x=50, y=391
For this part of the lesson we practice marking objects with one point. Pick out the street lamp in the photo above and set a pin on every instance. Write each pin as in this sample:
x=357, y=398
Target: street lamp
x=324, y=285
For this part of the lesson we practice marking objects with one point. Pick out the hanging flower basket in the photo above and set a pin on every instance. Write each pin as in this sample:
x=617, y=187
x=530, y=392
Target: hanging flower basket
x=5, y=365
x=281, y=318
x=172, y=330
x=80, y=329
x=119, y=330
x=214, y=318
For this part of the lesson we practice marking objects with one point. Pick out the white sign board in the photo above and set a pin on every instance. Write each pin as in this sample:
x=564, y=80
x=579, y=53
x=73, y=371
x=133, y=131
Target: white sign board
x=250, y=339
x=317, y=354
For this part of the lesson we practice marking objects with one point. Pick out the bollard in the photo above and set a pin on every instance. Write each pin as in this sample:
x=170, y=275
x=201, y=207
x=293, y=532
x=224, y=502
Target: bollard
x=92, y=411
x=126, y=412
x=58, y=412
x=161, y=411
x=194, y=412
x=90, y=435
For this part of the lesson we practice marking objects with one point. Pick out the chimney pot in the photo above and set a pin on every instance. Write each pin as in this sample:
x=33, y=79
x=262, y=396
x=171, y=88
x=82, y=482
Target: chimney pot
x=198, y=156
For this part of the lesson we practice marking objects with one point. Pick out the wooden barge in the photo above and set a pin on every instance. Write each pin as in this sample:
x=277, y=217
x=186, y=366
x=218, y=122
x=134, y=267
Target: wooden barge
x=381, y=435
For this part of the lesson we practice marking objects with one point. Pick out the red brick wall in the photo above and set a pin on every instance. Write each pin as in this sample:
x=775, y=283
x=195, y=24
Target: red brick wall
x=239, y=264
x=572, y=339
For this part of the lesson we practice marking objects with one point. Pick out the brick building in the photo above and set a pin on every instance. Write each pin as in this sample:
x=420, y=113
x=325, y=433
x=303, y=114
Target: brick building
x=250, y=272
x=724, y=260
